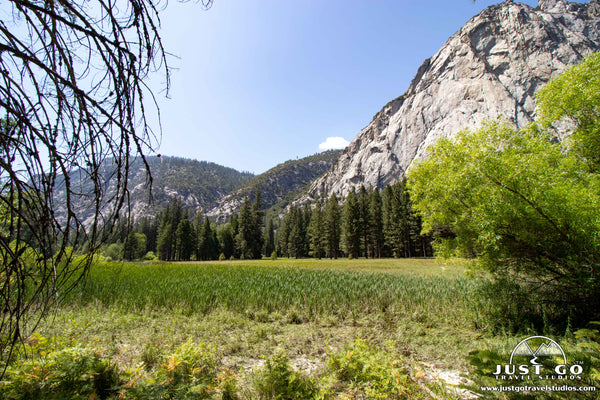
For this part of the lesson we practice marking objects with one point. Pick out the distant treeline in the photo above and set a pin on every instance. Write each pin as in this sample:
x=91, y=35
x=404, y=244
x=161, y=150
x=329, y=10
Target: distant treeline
x=369, y=224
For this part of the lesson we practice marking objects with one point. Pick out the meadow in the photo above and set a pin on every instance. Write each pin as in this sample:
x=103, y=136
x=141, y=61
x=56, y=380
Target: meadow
x=330, y=329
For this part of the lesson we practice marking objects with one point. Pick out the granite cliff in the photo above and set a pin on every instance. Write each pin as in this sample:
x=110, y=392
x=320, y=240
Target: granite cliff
x=490, y=68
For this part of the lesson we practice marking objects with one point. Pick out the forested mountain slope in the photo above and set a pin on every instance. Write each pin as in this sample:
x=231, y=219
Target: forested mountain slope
x=280, y=184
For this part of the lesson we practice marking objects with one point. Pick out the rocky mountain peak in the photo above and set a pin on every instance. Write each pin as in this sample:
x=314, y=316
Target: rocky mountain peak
x=552, y=6
x=492, y=67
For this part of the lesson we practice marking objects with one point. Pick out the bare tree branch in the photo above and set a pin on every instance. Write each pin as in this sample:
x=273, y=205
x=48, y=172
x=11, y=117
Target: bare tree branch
x=72, y=105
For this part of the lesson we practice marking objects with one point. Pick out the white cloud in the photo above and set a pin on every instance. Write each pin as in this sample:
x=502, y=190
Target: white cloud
x=336, y=142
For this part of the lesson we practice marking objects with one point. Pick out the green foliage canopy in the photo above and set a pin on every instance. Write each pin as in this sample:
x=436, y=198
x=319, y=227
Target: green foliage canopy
x=519, y=202
x=574, y=97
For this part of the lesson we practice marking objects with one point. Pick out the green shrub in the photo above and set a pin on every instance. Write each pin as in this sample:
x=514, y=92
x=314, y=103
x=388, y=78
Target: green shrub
x=376, y=373
x=190, y=363
x=589, y=341
x=227, y=385
x=70, y=373
x=113, y=252
x=505, y=306
x=151, y=357
x=277, y=380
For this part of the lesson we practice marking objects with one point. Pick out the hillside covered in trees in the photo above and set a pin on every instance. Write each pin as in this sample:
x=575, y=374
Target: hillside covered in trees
x=198, y=184
x=280, y=185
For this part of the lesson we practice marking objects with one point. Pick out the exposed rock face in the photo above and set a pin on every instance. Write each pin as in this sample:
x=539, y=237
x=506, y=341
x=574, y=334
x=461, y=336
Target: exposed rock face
x=492, y=67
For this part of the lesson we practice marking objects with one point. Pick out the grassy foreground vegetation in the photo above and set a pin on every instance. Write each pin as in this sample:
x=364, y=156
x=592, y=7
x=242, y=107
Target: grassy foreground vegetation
x=522, y=206
x=287, y=329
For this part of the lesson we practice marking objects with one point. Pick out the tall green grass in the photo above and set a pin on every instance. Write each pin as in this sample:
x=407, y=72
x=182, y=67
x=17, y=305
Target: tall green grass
x=311, y=292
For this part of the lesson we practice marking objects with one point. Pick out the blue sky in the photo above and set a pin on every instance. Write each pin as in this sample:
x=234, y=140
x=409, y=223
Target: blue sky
x=259, y=82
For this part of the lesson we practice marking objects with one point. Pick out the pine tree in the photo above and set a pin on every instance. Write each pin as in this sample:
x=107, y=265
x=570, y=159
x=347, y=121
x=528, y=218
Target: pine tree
x=419, y=245
x=164, y=245
x=185, y=239
x=198, y=226
x=208, y=246
x=376, y=239
x=293, y=244
x=304, y=222
x=332, y=227
x=215, y=249
x=283, y=236
x=235, y=230
x=317, y=232
x=256, y=238
x=175, y=212
x=169, y=222
x=120, y=231
x=392, y=220
x=351, y=232
x=269, y=239
x=243, y=239
x=149, y=227
x=131, y=247
x=401, y=227
x=408, y=228
x=364, y=206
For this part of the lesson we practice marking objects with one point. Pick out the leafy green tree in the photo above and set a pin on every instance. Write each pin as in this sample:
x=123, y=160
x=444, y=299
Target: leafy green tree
x=149, y=227
x=526, y=209
x=574, y=97
x=114, y=251
x=141, y=247
x=226, y=238
x=332, y=226
x=351, y=227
